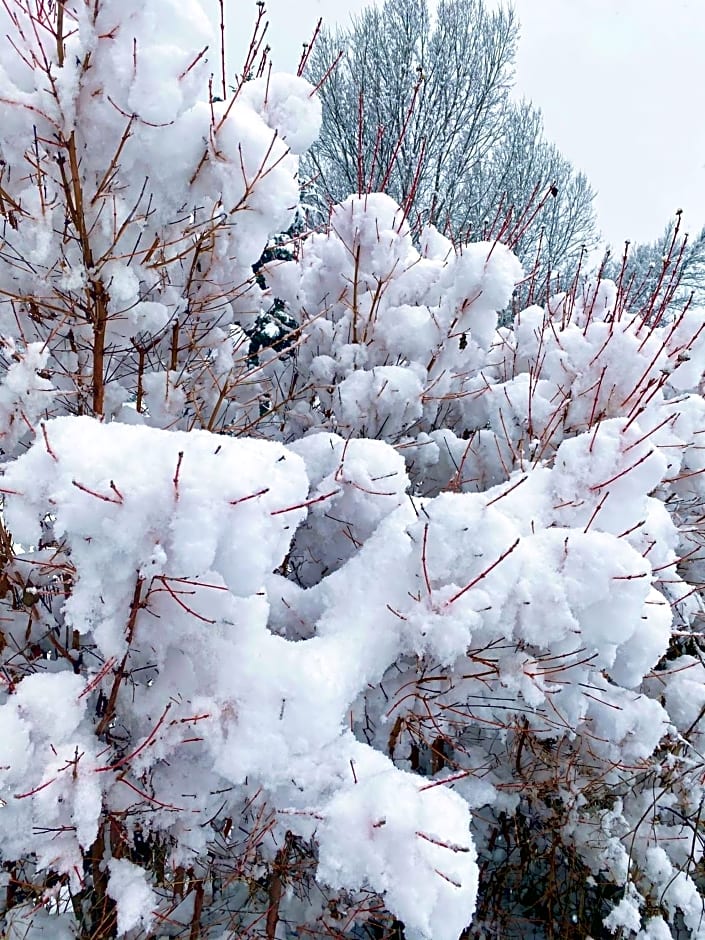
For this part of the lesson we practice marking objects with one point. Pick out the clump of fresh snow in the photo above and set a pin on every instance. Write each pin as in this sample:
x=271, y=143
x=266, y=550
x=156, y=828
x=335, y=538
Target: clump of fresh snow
x=136, y=900
x=288, y=105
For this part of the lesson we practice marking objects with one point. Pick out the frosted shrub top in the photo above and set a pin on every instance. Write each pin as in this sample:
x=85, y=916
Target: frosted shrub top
x=149, y=204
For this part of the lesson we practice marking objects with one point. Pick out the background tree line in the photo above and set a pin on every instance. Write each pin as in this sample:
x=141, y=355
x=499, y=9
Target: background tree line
x=420, y=106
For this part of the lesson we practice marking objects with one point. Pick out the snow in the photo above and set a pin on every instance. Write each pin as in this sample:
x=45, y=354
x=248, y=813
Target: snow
x=393, y=835
x=25, y=922
x=135, y=899
x=460, y=575
x=23, y=392
x=364, y=592
x=287, y=105
x=625, y=916
x=132, y=510
x=204, y=586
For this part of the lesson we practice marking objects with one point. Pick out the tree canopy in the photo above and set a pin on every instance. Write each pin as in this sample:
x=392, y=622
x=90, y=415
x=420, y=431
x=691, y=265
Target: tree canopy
x=419, y=106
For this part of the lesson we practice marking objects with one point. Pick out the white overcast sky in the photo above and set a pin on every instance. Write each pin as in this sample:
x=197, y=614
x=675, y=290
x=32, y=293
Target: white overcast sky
x=621, y=84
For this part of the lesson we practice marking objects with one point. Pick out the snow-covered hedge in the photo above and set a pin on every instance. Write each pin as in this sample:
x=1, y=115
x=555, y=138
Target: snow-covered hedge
x=398, y=612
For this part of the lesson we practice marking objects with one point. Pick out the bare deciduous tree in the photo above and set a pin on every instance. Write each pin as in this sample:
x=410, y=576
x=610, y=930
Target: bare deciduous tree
x=665, y=273
x=419, y=106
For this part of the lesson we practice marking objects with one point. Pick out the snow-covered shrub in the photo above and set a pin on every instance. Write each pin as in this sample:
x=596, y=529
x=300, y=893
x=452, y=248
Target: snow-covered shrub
x=396, y=617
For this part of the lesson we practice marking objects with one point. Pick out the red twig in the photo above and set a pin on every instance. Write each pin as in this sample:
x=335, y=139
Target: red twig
x=42, y=786
x=147, y=741
x=596, y=511
x=176, y=474
x=439, y=783
x=151, y=799
x=105, y=499
x=424, y=564
x=308, y=49
x=508, y=490
x=327, y=73
x=451, y=846
x=308, y=502
x=244, y=499
x=598, y=486
x=99, y=676
x=189, y=610
x=193, y=63
x=483, y=574
x=222, y=49
x=47, y=444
